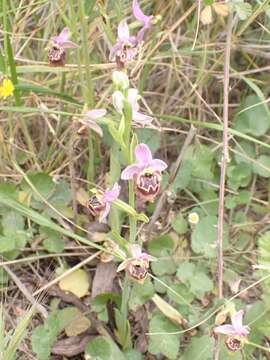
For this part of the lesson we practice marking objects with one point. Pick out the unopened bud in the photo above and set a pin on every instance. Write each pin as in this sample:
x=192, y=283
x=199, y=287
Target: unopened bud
x=120, y=80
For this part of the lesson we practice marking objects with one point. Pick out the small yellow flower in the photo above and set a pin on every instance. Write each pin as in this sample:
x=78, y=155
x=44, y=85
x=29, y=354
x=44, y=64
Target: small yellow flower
x=193, y=218
x=6, y=88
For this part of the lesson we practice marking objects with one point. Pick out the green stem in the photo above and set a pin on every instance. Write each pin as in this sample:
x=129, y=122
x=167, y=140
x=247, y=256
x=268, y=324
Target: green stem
x=89, y=89
x=132, y=219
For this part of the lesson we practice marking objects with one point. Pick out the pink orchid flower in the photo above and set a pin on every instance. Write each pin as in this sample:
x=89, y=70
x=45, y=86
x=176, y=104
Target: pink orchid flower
x=145, y=161
x=57, y=52
x=236, y=328
x=125, y=47
x=140, y=16
x=146, y=173
x=89, y=120
x=62, y=40
x=138, y=264
x=100, y=203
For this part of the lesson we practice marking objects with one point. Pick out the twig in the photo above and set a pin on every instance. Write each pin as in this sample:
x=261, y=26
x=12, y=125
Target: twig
x=26, y=292
x=224, y=161
x=163, y=197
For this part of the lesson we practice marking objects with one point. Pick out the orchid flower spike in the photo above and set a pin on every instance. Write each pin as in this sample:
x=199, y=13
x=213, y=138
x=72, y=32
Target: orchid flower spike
x=100, y=203
x=137, y=265
x=125, y=48
x=236, y=332
x=146, y=173
x=140, y=16
x=57, y=53
x=89, y=120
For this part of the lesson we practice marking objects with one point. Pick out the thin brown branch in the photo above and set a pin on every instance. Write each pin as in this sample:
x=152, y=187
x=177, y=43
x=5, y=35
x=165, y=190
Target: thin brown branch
x=224, y=161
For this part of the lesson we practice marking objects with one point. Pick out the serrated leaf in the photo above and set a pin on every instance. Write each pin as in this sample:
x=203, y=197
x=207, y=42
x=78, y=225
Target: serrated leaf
x=166, y=344
x=42, y=182
x=77, y=283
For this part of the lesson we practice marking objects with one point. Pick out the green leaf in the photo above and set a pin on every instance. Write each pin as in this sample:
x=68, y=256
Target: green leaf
x=42, y=182
x=183, y=175
x=262, y=166
x=161, y=245
x=239, y=175
x=200, y=283
x=141, y=293
x=179, y=224
x=204, y=236
x=166, y=344
x=243, y=9
x=53, y=241
x=245, y=151
x=12, y=222
x=102, y=348
x=149, y=137
x=133, y=354
x=44, y=336
x=185, y=271
x=200, y=348
x=252, y=118
x=7, y=244
x=202, y=162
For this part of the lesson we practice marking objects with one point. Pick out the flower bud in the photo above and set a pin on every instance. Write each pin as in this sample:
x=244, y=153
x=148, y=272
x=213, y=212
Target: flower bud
x=118, y=101
x=120, y=80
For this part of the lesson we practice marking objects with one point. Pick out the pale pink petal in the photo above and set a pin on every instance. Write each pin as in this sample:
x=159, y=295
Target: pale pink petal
x=123, y=265
x=64, y=34
x=237, y=322
x=132, y=99
x=225, y=329
x=69, y=45
x=130, y=53
x=92, y=125
x=95, y=113
x=131, y=170
x=138, y=14
x=141, y=33
x=143, y=155
x=123, y=31
x=114, y=50
x=141, y=118
x=105, y=212
x=135, y=251
x=112, y=194
x=62, y=37
x=158, y=165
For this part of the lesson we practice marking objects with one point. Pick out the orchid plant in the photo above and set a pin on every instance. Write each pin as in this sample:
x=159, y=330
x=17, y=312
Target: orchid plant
x=236, y=333
x=57, y=52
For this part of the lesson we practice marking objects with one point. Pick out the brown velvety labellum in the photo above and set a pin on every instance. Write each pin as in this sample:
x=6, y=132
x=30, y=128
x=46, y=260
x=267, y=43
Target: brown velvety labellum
x=95, y=206
x=148, y=185
x=232, y=343
x=138, y=270
x=57, y=55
